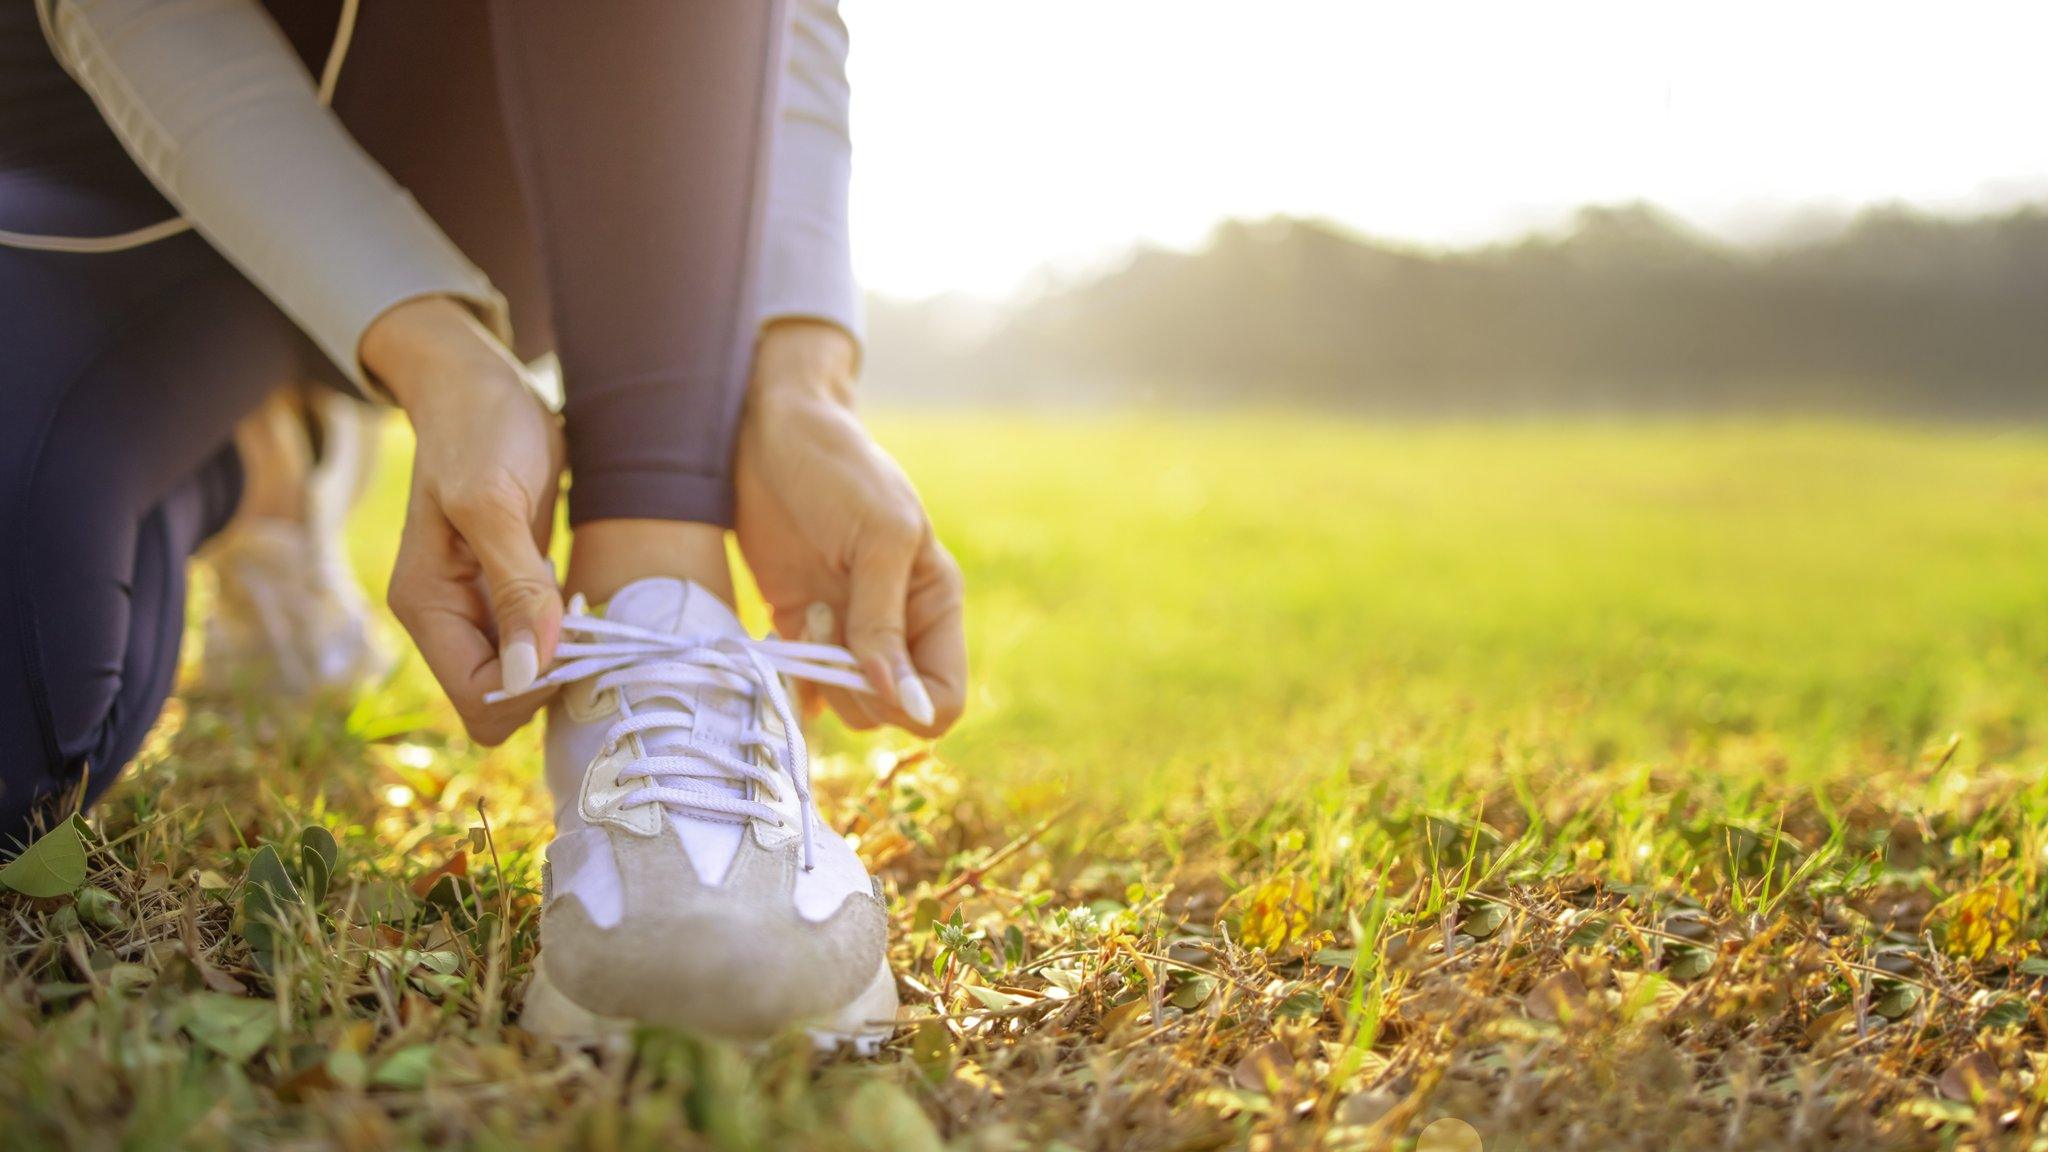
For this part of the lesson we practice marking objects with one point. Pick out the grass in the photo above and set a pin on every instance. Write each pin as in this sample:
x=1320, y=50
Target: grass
x=1602, y=786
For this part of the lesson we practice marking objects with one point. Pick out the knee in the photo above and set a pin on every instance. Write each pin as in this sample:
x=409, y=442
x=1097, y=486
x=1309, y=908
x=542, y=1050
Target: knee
x=73, y=594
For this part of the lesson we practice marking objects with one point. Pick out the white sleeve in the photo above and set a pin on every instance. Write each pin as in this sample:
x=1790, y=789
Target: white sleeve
x=807, y=256
x=216, y=108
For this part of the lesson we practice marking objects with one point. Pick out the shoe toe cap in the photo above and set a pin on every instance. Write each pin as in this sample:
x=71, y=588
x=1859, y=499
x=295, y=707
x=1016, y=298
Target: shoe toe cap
x=714, y=965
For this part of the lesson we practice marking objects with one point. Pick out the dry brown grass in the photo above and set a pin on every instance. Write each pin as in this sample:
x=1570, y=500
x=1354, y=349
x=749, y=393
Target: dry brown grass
x=1658, y=856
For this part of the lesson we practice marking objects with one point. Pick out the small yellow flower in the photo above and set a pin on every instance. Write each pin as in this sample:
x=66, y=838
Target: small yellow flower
x=1275, y=911
x=1980, y=922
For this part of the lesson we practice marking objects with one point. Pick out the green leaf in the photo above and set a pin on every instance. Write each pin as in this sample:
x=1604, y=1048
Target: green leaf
x=2007, y=1013
x=441, y=962
x=1304, y=1003
x=348, y=1068
x=319, y=856
x=316, y=872
x=318, y=840
x=1937, y=1111
x=208, y=880
x=52, y=866
x=1689, y=963
x=484, y=936
x=2034, y=966
x=61, y=991
x=1588, y=934
x=1896, y=1002
x=122, y=978
x=453, y=895
x=993, y=998
x=268, y=895
x=880, y=1117
x=100, y=908
x=1191, y=993
x=269, y=885
x=235, y=1027
x=1065, y=979
x=1482, y=919
x=405, y=1068
x=933, y=1051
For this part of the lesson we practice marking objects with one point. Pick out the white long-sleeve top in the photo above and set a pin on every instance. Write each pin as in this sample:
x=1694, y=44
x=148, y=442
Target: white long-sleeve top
x=216, y=108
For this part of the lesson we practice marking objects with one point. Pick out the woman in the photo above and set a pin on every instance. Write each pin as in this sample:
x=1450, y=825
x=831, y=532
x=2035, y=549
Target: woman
x=654, y=190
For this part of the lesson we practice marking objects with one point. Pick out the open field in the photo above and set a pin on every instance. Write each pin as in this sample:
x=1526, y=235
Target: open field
x=1627, y=786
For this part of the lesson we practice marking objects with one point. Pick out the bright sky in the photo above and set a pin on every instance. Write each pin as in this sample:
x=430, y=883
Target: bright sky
x=993, y=138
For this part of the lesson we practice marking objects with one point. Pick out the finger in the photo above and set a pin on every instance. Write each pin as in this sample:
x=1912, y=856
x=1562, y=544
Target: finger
x=856, y=710
x=817, y=623
x=434, y=595
x=820, y=623
x=937, y=625
x=874, y=628
x=467, y=667
x=526, y=601
x=792, y=623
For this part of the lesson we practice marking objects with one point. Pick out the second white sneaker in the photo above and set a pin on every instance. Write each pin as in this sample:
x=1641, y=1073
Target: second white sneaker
x=690, y=883
x=289, y=616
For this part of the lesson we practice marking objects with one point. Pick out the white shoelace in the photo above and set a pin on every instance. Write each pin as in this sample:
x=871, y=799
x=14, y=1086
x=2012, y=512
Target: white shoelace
x=687, y=781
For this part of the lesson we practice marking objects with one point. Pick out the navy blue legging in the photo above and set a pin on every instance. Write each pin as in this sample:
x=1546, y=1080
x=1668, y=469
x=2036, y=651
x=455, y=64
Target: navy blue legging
x=603, y=163
x=116, y=469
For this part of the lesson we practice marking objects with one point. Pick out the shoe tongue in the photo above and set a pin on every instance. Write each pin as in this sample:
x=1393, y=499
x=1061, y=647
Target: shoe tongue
x=682, y=608
x=677, y=607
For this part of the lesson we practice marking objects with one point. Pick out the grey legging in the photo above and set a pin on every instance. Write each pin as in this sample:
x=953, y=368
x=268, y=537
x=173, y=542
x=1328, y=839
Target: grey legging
x=604, y=163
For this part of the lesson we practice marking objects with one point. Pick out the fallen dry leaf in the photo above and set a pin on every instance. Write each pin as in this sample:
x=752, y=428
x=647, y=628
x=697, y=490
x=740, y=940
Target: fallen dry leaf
x=1263, y=1067
x=457, y=865
x=1556, y=999
x=1363, y=1108
x=1971, y=1079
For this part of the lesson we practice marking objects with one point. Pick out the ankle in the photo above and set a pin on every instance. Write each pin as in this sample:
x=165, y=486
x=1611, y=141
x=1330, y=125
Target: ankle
x=607, y=555
x=276, y=461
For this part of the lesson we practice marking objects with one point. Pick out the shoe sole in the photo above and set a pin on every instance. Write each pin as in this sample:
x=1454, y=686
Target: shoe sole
x=862, y=1025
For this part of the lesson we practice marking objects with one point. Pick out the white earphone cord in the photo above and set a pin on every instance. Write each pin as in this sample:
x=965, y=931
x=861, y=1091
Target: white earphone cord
x=330, y=75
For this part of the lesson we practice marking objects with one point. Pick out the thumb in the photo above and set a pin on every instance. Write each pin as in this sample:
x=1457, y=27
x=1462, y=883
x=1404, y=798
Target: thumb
x=874, y=628
x=525, y=599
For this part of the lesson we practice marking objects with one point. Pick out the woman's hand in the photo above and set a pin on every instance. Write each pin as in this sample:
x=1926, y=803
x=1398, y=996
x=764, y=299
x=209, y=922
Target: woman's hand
x=472, y=584
x=826, y=517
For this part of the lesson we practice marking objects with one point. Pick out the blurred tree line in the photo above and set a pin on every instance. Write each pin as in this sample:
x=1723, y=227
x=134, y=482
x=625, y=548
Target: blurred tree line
x=1627, y=310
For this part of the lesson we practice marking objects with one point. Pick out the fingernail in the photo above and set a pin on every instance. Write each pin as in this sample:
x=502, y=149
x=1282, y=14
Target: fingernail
x=917, y=703
x=818, y=622
x=519, y=662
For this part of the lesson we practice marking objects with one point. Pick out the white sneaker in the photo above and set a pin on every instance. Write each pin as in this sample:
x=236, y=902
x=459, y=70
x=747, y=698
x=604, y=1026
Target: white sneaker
x=288, y=615
x=689, y=883
x=288, y=611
